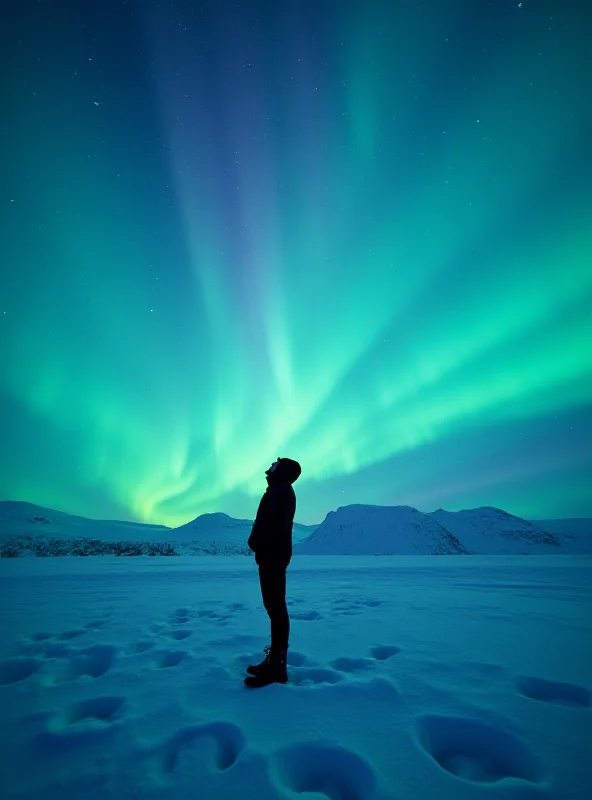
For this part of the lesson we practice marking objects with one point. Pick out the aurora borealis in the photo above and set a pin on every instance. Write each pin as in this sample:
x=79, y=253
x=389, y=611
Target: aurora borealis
x=357, y=234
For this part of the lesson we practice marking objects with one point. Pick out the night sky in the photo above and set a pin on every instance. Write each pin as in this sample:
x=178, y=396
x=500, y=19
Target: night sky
x=357, y=234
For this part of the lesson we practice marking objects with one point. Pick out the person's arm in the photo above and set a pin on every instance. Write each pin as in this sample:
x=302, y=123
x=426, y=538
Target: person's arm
x=253, y=538
x=270, y=522
x=259, y=529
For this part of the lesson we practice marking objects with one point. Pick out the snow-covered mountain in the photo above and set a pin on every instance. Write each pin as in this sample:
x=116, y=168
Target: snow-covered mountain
x=26, y=529
x=18, y=518
x=491, y=531
x=380, y=530
x=575, y=534
x=399, y=530
x=301, y=532
x=214, y=526
x=229, y=529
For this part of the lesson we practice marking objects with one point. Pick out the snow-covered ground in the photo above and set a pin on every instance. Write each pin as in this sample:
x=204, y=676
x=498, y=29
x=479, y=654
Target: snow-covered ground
x=432, y=677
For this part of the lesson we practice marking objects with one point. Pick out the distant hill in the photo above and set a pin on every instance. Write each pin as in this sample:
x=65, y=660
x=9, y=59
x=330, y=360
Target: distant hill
x=29, y=528
x=399, y=530
x=17, y=518
x=302, y=532
x=380, y=530
x=491, y=531
x=575, y=534
x=221, y=526
x=214, y=526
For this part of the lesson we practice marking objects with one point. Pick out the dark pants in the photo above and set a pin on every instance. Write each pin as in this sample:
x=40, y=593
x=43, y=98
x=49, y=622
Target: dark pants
x=273, y=592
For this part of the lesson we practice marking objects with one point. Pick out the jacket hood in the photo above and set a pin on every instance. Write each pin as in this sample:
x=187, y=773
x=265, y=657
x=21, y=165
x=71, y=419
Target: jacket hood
x=286, y=470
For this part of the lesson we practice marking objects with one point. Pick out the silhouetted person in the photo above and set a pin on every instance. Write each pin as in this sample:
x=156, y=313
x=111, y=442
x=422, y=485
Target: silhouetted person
x=271, y=541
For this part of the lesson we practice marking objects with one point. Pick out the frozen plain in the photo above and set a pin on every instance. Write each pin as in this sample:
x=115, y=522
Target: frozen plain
x=450, y=677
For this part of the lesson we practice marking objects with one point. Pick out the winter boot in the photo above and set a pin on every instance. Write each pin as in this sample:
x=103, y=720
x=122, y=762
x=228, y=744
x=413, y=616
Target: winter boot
x=253, y=669
x=273, y=670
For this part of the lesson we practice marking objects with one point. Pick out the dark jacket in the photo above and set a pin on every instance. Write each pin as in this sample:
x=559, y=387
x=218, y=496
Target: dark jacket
x=271, y=536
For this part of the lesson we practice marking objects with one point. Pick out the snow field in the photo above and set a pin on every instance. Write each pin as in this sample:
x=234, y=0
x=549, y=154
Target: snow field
x=410, y=677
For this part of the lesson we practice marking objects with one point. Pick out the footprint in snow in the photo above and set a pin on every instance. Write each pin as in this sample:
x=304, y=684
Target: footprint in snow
x=208, y=613
x=169, y=658
x=237, y=606
x=565, y=694
x=92, y=662
x=40, y=637
x=228, y=739
x=78, y=723
x=211, y=615
x=102, y=709
x=322, y=768
x=476, y=751
x=296, y=659
x=45, y=648
x=384, y=651
x=179, y=634
x=353, y=665
x=14, y=670
x=348, y=605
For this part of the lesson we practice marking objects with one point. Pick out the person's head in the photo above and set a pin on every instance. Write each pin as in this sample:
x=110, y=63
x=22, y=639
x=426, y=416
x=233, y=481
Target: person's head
x=283, y=469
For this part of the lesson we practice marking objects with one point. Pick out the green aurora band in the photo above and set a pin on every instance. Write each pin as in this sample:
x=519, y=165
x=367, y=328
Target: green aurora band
x=361, y=238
